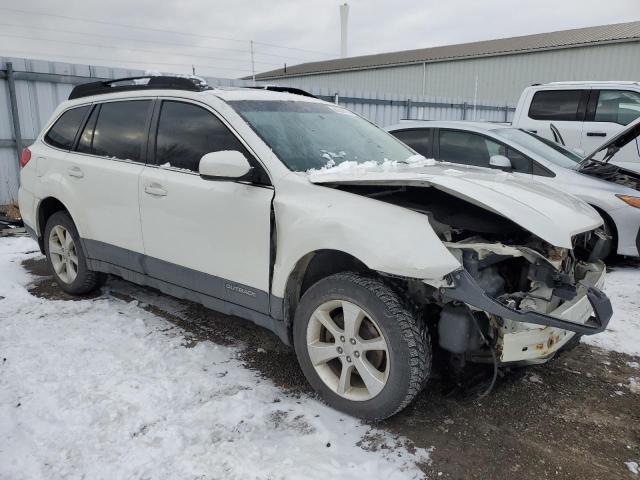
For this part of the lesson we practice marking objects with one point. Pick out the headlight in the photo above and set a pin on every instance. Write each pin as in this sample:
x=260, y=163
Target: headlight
x=629, y=200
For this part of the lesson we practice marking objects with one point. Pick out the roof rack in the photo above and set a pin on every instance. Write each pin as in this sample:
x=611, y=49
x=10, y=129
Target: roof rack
x=277, y=88
x=192, y=84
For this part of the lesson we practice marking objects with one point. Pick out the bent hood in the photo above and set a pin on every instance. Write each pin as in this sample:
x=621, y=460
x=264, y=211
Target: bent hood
x=544, y=211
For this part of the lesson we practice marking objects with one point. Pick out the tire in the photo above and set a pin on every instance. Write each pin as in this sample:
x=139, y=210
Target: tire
x=77, y=279
x=400, y=369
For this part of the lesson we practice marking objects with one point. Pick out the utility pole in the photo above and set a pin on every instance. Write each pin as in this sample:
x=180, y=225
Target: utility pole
x=193, y=69
x=344, y=20
x=253, y=65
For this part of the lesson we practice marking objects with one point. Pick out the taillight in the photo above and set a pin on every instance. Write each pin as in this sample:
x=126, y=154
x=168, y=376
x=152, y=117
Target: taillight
x=25, y=157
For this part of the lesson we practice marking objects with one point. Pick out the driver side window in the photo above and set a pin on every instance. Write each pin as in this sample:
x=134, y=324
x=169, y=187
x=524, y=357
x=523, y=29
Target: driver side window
x=186, y=132
x=474, y=149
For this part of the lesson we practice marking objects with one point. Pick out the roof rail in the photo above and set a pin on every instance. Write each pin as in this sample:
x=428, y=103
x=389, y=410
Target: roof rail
x=278, y=88
x=192, y=84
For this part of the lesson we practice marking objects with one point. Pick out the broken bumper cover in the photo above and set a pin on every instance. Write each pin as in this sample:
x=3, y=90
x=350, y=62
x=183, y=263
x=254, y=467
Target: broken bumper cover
x=465, y=289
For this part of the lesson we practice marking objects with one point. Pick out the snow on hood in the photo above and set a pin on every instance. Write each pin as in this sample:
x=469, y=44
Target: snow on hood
x=542, y=210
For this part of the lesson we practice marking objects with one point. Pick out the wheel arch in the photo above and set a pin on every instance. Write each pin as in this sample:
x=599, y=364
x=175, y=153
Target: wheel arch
x=47, y=207
x=609, y=221
x=311, y=268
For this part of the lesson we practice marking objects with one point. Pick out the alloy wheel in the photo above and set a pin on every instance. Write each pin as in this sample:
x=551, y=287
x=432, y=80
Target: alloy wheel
x=348, y=350
x=63, y=254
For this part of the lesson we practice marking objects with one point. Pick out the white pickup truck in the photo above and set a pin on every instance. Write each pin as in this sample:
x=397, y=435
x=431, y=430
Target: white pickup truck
x=582, y=115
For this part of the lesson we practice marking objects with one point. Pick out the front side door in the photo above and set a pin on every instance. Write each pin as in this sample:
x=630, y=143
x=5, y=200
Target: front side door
x=470, y=148
x=105, y=167
x=608, y=112
x=209, y=236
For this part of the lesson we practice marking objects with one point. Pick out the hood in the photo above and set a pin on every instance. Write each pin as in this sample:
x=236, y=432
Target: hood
x=616, y=142
x=544, y=211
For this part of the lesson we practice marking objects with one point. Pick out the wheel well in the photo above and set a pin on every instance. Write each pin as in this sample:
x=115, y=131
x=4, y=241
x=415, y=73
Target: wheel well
x=310, y=269
x=607, y=218
x=47, y=207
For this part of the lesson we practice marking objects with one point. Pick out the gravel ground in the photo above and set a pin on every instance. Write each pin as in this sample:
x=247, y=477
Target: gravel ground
x=575, y=417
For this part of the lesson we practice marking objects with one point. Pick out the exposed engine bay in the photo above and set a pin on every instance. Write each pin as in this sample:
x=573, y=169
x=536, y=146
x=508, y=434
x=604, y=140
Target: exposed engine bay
x=512, y=267
x=611, y=173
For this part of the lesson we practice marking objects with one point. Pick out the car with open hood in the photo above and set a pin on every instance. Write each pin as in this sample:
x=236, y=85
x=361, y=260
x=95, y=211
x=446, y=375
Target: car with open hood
x=310, y=221
x=611, y=189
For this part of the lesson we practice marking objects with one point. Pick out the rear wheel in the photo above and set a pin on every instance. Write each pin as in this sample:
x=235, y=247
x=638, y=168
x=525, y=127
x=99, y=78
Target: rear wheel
x=66, y=258
x=360, y=348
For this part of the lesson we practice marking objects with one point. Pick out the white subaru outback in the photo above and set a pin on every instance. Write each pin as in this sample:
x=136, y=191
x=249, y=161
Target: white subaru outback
x=310, y=221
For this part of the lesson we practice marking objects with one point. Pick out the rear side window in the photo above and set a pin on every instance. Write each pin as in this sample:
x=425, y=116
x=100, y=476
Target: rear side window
x=617, y=106
x=418, y=139
x=186, y=132
x=560, y=105
x=64, y=131
x=117, y=130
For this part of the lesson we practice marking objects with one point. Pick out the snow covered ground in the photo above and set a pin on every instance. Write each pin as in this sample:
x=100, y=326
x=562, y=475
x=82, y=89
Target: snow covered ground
x=623, y=333
x=102, y=389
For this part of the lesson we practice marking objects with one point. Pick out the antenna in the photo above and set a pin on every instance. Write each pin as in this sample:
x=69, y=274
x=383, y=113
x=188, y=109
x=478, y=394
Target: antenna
x=344, y=20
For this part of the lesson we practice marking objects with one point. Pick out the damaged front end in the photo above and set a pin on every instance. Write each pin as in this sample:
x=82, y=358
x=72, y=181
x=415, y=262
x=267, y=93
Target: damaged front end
x=519, y=297
x=527, y=301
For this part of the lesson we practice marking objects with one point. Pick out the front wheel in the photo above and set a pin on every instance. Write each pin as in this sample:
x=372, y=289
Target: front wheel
x=360, y=347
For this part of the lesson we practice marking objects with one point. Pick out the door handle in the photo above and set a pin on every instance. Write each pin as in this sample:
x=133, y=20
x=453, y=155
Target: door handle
x=155, y=190
x=75, y=172
x=596, y=134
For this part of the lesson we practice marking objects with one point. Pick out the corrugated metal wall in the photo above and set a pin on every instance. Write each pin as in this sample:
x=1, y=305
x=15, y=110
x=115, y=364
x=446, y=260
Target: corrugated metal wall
x=36, y=101
x=387, y=109
x=501, y=79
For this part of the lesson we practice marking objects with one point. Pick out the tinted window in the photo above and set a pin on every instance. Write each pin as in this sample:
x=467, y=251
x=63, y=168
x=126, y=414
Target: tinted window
x=468, y=148
x=418, y=139
x=86, y=139
x=617, y=106
x=555, y=105
x=63, y=132
x=186, y=132
x=120, y=130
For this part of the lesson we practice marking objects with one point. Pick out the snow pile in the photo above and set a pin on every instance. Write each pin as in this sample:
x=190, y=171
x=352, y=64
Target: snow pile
x=103, y=389
x=354, y=168
x=623, y=332
x=633, y=467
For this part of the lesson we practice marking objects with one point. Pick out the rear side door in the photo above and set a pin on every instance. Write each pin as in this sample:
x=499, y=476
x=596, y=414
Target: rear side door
x=557, y=114
x=210, y=236
x=420, y=139
x=608, y=112
x=105, y=167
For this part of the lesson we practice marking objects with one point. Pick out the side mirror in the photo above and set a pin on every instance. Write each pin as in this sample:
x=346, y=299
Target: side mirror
x=224, y=165
x=500, y=161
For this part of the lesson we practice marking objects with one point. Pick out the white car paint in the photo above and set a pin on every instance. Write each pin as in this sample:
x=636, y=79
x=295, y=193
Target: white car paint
x=596, y=192
x=224, y=229
x=580, y=134
x=535, y=207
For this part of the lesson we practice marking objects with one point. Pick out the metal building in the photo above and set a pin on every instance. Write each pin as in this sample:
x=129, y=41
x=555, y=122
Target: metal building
x=502, y=67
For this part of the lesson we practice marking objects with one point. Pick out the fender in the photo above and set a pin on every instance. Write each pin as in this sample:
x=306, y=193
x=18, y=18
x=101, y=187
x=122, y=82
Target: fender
x=399, y=242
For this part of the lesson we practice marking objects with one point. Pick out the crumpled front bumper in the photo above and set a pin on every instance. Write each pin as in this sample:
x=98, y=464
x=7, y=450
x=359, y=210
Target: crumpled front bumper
x=539, y=335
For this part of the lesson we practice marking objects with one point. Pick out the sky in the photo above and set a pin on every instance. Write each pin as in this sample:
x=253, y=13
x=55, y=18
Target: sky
x=214, y=37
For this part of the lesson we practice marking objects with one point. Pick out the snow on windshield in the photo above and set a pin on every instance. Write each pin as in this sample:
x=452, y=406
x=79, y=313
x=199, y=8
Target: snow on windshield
x=357, y=168
x=309, y=135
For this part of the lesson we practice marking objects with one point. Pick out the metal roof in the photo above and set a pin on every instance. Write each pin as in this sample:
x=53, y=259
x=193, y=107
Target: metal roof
x=619, y=32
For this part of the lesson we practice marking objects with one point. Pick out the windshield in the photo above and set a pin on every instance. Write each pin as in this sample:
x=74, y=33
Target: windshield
x=309, y=135
x=541, y=146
